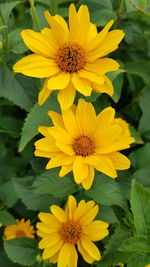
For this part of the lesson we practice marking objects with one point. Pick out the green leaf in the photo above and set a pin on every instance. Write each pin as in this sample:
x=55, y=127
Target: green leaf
x=22, y=250
x=107, y=191
x=139, y=260
x=12, y=90
x=6, y=9
x=101, y=16
x=37, y=117
x=8, y=194
x=136, y=244
x=4, y=261
x=141, y=153
x=15, y=42
x=140, y=206
x=117, y=79
x=144, y=124
x=32, y=200
x=111, y=254
x=50, y=183
x=6, y=218
x=140, y=68
x=142, y=176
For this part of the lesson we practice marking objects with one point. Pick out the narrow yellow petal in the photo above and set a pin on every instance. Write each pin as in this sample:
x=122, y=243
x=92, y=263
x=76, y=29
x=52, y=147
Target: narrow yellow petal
x=36, y=66
x=97, y=230
x=61, y=135
x=84, y=23
x=91, y=249
x=38, y=43
x=49, y=241
x=64, y=255
x=107, y=87
x=80, y=169
x=49, y=252
x=81, y=84
x=92, y=77
x=101, y=66
x=87, y=183
x=65, y=170
x=59, y=82
x=66, y=96
x=73, y=24
x=70, y=123
x=106, y=166
x=56, y=119
x=120, y=161
x=86, y=256
x=58, y=213
x=44, y=93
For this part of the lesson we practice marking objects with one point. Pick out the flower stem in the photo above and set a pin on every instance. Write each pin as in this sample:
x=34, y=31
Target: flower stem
x=35, y=14
x=6, y=30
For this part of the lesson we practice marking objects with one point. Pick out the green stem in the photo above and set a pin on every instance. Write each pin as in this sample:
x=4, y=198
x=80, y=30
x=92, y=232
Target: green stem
x=6, y=31
x=120, y=9
x=35, y=14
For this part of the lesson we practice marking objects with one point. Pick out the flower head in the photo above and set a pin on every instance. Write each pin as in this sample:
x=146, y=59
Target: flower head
x=81, y=141
x=70, y=57
x=22, y=228
x=62, y=230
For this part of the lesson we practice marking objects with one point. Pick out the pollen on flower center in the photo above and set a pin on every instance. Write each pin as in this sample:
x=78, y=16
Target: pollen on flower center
x=83, y=146
x=70, y=232
x=70, y=57
x=20, y=233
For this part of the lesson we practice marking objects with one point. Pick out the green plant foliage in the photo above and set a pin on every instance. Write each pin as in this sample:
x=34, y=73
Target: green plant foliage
x=26, y=188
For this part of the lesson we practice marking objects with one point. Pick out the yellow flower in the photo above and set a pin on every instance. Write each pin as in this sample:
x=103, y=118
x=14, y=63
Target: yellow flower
x=21, y=229
x=124, y=125
x=70, y=58
x=81, y=141
x=62, y=230
x=148, y=265
x=0, y=224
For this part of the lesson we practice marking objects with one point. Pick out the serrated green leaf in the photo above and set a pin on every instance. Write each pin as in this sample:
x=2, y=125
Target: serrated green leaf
x=6, y=218
x=144, y=124
x=143, y=176
x=37, y=117
x=140, y=68
x=140, y=206
x=101, y=16
x=22, y=250
x=32, y=200
x=136, y=244
x=141, y=153
x=139, y=260
x=12, y=90
x=50, y=183
x=107, y=191
x=8, y=194
x=6, y=9
x=111, y=254
x=15, y=42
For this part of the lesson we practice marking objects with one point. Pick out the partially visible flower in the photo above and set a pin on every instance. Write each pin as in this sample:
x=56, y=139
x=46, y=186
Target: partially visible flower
x=124, y=125
x=0, y=224
x=22, y=228
x=80, y=142
x=148, y=265
x=71, y=58
x=62, y=230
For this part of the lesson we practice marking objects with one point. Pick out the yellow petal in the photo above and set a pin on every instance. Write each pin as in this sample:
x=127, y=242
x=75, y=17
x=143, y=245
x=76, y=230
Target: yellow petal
x=67, y=149
x=44, y=93
x=91, y=249
x=96, y=230
x=47, y=145
x=105, y=117
x=73, y=257
x=106, y=166
x=85, y=110
x=48, y=218
x=64, y=255
x=73, y=24
x=57, y=29
x=49, y=241
x=92, y=33
x=80, y=169
x=87, y=183
x=90, y=215
x=110, y=43
x=84, y=23
x=107, y=87
x=70, y=123
x=48, y=228
x=59, y=213
x=49, y=252
x=66, y=96
x=92, y=77
x=101, y=66
x=107, y=136
x=71, y=206
x=61, y=135
x=94, y=43
x=38, y=43
x=86, y=256
x=65, y=170
x=56, y=119
x=120, y=161
x=59, y=82
x=62, y=23
x=58, y=160
x=81, y=84
x=36, y=66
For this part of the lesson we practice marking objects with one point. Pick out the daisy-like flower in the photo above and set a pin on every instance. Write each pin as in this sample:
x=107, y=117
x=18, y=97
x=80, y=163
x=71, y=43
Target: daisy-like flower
x=81, y=141
x=22, y=228
x=70, y=58
x=62, y=230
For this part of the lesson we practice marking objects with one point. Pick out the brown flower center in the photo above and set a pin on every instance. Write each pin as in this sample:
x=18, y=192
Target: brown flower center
x=70, y=232
x=20, y=233
x=70, y=57
x=83, y=146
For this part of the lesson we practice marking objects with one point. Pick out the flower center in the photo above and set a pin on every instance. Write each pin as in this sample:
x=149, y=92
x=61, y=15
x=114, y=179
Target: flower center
x=70, y=232
x=70, y=57
x=20, y=233
x=83, y=146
